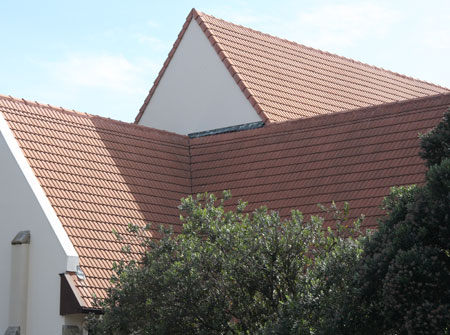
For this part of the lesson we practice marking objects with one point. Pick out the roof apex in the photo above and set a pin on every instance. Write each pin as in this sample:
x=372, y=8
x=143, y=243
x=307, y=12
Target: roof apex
x=286, y=80
x=192, y=14
x=198, y=16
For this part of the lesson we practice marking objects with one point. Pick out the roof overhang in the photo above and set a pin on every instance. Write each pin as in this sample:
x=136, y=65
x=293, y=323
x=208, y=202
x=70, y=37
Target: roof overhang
x=71, y=301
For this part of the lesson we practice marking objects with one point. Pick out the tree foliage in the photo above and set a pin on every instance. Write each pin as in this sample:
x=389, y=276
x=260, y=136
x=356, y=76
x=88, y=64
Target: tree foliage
x=436, y=144
x=227, y=273
x=233, y=273
x=404, y=277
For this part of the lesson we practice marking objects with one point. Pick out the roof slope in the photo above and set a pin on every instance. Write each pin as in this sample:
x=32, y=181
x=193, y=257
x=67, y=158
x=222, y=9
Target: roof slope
x=284, y=80
x=100, y=175
x=352, y=156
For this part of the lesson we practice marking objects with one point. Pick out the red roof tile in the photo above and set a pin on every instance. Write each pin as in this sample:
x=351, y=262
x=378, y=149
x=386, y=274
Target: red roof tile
x=284, y=80
x=352, y=156
x=100, y=175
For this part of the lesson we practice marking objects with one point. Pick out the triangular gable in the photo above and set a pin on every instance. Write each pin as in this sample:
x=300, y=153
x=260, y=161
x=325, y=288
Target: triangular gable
x=196, y=92
x=284, y=80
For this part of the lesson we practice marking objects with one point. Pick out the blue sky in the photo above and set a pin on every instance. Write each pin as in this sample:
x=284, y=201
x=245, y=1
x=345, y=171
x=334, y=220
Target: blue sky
x=101, y=57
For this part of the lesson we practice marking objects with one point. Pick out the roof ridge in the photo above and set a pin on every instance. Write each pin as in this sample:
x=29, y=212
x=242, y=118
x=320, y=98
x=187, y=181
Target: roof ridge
x=324, y=52
x=208, y=24
x=87, y=115
x=39, y=104
x=371, y=107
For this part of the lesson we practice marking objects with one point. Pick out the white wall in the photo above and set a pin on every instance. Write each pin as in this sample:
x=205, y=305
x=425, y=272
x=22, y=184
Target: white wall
x=23, y=206
x=197, y=92
x=76, y=320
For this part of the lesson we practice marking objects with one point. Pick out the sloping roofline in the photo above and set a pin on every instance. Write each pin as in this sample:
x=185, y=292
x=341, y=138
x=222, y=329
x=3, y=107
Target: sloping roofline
x=87, y=115
x=88, y=168
x=200, y=148
x=197, y=15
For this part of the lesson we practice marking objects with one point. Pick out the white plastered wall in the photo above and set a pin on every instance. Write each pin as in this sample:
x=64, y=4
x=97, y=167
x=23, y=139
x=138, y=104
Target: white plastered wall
x=196, y=92
x=24, y=206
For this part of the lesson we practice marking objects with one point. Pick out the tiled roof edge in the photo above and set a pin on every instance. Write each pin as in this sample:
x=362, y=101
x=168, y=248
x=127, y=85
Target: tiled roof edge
x=405, y=105
x=91, y=116
x=72, y=257
x=369, y=112
x=240, y=127
x=197, y=16
x=329, y=53
x=230, y=67
x=192, y=14
x=39, y=104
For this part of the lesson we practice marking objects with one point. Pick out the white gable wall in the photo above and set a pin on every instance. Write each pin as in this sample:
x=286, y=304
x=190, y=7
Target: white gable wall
x=196, y=92
x=23, y=206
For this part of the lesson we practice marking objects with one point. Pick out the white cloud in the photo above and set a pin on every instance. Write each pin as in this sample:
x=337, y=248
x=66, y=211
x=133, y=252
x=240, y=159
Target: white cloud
x=153, y=42
x=110, y=85
x=242, y=15
x=115, y=73
x=340, y=25
x=241, y=18
x=153, y=23
x=326, y=24
x=435, y=30
x=438, y=39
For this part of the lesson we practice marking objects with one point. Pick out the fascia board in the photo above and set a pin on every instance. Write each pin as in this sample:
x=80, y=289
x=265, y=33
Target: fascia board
x=58, y=229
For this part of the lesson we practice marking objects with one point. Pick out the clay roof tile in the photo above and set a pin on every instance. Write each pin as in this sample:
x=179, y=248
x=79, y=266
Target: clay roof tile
x=291, y=81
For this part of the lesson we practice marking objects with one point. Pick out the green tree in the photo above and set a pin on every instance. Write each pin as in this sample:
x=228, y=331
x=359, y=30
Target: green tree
x=235, y=273
x=330, y=295
x=228, y=273
x=404, y=278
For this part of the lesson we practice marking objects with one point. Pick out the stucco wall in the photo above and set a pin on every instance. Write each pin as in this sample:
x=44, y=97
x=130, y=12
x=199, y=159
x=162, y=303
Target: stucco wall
x=197, y=92
x=23, y=206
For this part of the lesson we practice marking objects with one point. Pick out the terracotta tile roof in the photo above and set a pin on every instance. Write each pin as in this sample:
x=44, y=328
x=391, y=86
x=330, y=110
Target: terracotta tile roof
x=100, y=175
x=351, y=156
x=284, y=80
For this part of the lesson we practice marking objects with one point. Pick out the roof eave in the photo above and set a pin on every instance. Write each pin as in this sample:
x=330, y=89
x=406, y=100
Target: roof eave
x=71, y=301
